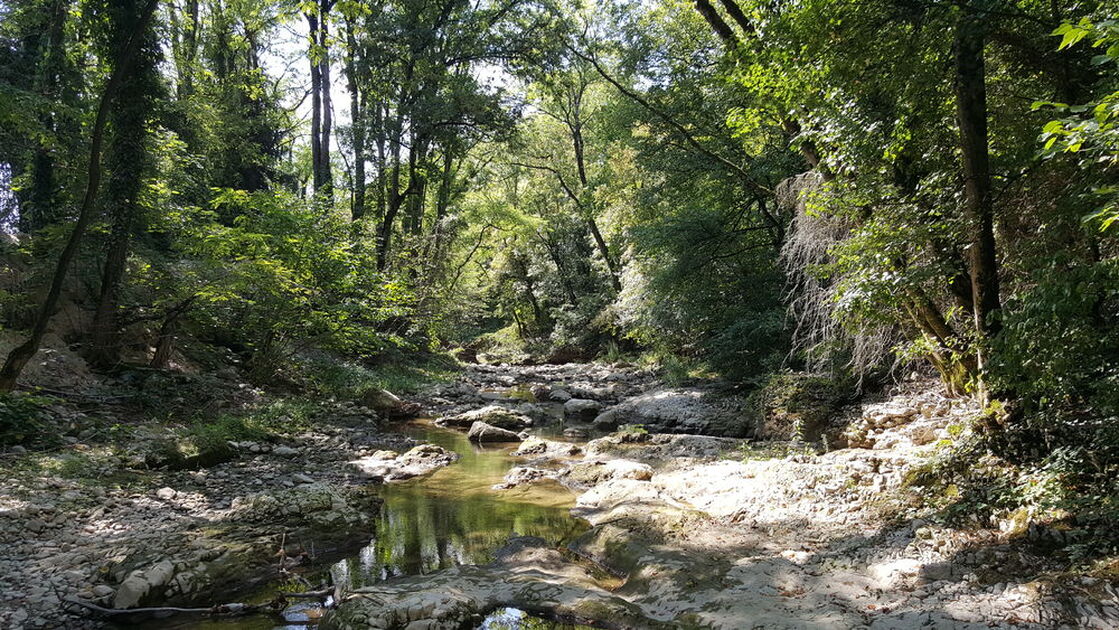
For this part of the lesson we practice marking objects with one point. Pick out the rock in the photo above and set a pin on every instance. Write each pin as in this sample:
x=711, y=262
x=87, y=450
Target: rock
x=592, y=393
x=130, y=592
x=576, y=433
x=589, y=473
x=285, y=451
x=559, y=395
x=482, y=432
x=301, y=478
x=420, y=460
x=493, y=415
x=581, y=409
x=166, y=494
x=540, y=391
x=935, y=571
x=521, y=475
x=388, y=404
x=541, y=449
x=102, y=590
x=686, y=411
x=607, y=420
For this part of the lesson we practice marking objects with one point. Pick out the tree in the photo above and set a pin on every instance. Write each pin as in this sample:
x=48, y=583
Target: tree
x=129, y=163
x=128, y=50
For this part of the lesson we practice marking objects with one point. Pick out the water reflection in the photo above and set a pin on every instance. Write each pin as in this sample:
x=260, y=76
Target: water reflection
x=453, y=516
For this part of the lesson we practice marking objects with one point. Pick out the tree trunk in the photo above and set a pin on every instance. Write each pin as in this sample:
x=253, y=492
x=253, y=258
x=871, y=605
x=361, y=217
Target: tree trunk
x=592, y=224
x=327, y=187
x=971, y=114
x=321, y=115
x=357, y=126
x=716, y=21
x=19, y=356
x=382, y=182
x=128, y=162
x=394, y=194
x=316, y=102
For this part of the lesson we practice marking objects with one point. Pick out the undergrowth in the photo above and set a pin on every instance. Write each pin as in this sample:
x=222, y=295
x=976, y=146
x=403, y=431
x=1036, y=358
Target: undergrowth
x=1022, y=480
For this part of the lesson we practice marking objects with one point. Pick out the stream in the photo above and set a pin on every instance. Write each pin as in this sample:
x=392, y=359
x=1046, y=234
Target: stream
x=450, y=517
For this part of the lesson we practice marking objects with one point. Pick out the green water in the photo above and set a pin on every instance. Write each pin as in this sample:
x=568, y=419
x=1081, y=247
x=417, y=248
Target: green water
x=453, y=517
x=448, y=518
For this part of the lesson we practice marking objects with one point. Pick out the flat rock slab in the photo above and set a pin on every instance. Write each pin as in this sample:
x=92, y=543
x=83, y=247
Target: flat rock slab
x=493, y=415
x=537, y=448
x=391, y=466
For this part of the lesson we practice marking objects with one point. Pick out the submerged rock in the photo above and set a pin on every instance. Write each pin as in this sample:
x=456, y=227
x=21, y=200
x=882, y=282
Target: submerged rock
x=526, y=574
x=493, y=415
x=482, y=432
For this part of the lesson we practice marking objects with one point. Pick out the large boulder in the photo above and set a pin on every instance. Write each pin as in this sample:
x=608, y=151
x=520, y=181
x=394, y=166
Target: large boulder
x=482, y=433
x=698, y=411
x=389, y=404
x=493, y=415
x=391, y=466
x=608, y=420
x=581, y=409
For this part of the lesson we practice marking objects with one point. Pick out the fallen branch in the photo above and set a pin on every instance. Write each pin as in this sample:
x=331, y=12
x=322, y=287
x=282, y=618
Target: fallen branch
x=220, y=609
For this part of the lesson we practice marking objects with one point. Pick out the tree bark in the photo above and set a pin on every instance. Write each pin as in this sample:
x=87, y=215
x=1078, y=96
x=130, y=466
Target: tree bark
x=971, y=114
x=357, y=126
x=19, y=356
x=718, y=24
x=128, y=161
x=321, y=114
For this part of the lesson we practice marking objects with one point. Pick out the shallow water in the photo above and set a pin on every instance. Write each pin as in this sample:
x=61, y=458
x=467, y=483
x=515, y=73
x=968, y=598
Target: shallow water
x=448, y=518
x=453, y=516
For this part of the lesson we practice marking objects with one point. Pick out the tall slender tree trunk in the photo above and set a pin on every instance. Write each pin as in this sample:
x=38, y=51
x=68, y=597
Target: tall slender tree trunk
x=316, y=102
x=592, y=223
x=321, y=111
x=357, y=125
x=382, y=180
x=19, y=356
x=417, y=183
x=327, y=188
x=971, y=114
x=395, y=196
